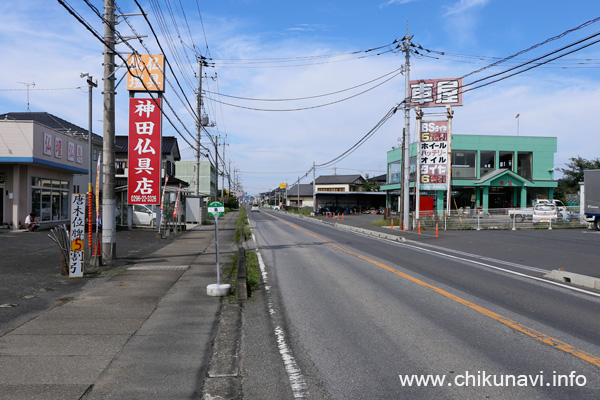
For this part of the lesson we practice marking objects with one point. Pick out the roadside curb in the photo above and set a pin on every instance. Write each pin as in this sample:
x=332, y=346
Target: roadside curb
x=395, y=238
x=223, y=379
x=574, y=279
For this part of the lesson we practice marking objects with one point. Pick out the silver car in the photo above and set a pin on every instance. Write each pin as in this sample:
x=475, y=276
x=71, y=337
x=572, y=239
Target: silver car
x=544, y=213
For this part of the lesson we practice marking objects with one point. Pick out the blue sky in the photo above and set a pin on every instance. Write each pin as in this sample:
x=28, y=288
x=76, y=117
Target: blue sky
x=43, y=43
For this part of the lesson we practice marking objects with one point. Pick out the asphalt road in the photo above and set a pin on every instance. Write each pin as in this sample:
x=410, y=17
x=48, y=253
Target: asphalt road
x=360, y=315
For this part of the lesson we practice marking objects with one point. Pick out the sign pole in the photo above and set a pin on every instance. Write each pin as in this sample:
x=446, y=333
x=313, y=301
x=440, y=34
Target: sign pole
x=216, y=210
x=217, y=250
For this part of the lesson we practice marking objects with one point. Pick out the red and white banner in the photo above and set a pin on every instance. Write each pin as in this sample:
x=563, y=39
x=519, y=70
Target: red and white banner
x=145, y=138
x=177, y=202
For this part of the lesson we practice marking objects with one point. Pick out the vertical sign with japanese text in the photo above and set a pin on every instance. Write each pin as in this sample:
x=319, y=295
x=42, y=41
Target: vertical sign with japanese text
x=77, y=235
x=79, y=159
x=47, y=144
x=433, y=155
x=58, y=148
x=71, y=151
x=144, y=165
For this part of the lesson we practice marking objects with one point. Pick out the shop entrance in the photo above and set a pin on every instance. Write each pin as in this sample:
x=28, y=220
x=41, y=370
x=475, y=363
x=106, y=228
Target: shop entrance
x=501, y=197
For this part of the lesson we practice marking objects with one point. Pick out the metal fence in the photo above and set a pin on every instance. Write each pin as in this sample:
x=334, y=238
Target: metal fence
x=497, y=218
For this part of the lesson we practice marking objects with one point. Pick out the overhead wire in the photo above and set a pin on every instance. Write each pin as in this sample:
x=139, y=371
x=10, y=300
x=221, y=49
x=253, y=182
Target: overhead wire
x=308, y=97
x=310, y=107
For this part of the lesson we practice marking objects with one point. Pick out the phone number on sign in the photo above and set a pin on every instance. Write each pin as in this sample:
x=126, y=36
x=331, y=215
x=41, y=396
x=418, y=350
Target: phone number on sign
x=141, y=199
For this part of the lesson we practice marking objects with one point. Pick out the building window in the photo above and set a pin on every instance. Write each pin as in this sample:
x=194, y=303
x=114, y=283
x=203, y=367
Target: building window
x=120, y=167
x=50, y=199
x=525, y=164
x=412, y=164
x=506, y=159
x=463, y=164
x=487, y=162
x=394, y=172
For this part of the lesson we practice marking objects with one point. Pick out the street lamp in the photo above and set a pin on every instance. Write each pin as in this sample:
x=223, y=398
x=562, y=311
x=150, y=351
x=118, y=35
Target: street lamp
x=517, y=117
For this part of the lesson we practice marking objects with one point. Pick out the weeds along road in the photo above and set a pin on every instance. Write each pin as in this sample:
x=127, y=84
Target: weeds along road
x=364, y=318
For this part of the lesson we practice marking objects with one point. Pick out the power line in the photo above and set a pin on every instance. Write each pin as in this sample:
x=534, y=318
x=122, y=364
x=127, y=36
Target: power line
x=302, y=58
x=308, y=97
x=310, y=107
x=362, y=140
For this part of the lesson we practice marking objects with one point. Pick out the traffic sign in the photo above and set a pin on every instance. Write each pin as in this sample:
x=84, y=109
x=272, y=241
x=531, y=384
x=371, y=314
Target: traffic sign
x=216, y=209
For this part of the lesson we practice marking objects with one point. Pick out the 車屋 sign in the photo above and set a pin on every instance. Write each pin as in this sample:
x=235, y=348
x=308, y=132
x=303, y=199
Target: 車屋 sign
x=433, y=155
x=216, y=209
x=144, y=165
x=77, y=235
x=146, y=72
x=436, y=92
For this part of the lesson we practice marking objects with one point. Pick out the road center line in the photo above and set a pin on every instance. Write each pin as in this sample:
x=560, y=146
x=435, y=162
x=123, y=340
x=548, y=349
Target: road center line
x=504, y=320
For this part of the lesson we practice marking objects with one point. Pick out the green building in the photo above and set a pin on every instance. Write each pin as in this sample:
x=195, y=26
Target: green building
x=490, y=172
x=186, y=171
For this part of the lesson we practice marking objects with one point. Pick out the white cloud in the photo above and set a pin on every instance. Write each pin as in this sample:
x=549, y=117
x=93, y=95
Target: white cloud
x=390, y=2
x=465, y=5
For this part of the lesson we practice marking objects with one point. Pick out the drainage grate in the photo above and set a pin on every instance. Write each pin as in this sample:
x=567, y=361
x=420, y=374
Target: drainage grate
x=158, y=267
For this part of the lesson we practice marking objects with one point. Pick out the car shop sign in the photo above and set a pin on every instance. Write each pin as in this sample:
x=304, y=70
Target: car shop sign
x=426, y=93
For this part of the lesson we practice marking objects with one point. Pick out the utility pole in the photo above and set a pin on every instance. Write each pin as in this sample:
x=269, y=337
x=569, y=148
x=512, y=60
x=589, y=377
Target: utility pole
x=200, y=105
x=314, y=189
x=223, y=173
x=229, y=176
x=406, y=144
x=91, y=85
x=109, y=203
x=217, y=167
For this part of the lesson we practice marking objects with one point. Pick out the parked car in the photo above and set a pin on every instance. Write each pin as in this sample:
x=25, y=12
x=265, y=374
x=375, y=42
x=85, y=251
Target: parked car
x=544, y=212
x=143, y=216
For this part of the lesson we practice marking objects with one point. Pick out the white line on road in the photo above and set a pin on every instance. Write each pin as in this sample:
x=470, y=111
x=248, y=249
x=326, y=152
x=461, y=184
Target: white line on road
x=297, y=382
x=498, y=268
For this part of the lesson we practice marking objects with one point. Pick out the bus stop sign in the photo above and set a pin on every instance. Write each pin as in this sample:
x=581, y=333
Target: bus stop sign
x=216, y=209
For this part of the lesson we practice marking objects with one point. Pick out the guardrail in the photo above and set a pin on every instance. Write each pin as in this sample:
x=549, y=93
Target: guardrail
x=496, y=218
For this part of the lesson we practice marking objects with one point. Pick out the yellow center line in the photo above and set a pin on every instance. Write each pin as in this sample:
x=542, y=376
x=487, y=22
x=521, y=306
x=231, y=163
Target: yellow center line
x=506, y=321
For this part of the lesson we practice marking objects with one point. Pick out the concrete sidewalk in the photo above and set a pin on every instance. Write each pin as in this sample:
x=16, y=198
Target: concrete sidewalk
x=144, y=333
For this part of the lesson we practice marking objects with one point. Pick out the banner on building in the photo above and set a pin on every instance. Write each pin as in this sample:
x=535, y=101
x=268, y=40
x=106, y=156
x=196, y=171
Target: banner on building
x=436, y=92
x=433, y=155
x=144, y=163
x=146, y=72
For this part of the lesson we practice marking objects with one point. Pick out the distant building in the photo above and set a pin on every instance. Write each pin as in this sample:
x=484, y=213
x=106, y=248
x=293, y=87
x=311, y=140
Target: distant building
x=490, y=172
x=186, y=171
x=336, y=192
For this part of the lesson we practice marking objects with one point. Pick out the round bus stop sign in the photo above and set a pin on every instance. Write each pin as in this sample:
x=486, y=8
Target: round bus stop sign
x=216, y=209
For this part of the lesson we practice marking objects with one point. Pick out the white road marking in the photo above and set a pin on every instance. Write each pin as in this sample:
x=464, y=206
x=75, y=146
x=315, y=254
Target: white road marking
x=297, y=382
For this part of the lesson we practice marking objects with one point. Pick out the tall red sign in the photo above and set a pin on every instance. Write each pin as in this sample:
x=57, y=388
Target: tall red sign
x=144, y=166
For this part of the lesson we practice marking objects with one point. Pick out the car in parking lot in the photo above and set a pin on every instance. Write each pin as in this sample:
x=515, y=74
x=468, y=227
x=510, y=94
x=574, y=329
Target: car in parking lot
x=143, y=216
x=544, y=213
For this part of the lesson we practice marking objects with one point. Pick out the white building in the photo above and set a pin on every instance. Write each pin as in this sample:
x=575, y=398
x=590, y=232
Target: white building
x=43, y=160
